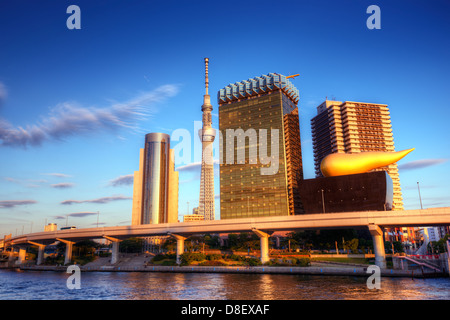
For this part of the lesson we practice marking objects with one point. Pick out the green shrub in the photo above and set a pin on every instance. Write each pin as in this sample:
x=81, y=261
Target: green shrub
x=236, y=257
x=304, y=262
x=212, y=263
x=253, y=261
x=188, y=257
x=214, y=256
x=159, y=257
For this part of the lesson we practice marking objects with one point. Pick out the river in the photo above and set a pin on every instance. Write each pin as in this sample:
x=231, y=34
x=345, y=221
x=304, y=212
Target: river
x=48, y=285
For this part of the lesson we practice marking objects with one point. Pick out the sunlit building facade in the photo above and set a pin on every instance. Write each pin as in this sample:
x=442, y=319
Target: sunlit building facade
x=260, y=153
x=155, y=192
x=353, y=127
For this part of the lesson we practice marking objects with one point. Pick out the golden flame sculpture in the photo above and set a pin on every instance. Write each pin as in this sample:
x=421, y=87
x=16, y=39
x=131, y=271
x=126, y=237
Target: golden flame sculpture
x=339, y=164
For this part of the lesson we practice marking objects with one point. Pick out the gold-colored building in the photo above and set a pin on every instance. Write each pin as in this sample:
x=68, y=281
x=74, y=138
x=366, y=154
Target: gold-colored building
x=260, y=153
x=155, y=190
x=193, y=217
x=353, y=127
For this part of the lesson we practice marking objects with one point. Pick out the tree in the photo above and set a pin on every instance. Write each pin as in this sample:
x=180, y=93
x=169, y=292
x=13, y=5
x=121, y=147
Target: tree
x=131, y=245
x=212, y=241
x=85, y=247
x=169, y=244
x=351, y=245
x=233, y=240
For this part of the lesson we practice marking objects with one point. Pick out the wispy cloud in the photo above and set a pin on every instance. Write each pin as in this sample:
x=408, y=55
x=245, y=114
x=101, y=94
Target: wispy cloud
x=63, y=185
x=3, y=93
x=28, y=183
x=419, y=164
x=126, y=180
x=69, y=119
x=193, y=167
x=98, y=200
x=14, y=203
x=414, y=187
x=76, y=215
x=59, y=175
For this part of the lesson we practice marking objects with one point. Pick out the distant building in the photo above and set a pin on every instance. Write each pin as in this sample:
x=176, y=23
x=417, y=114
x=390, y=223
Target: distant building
x=434, y=233
x=155, y=190
x=51, y=227
x=193, y=217
x=256, y=181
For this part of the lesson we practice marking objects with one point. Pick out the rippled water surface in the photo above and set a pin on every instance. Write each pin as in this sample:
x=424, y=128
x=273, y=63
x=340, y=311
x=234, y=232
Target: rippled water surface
x=47, y=285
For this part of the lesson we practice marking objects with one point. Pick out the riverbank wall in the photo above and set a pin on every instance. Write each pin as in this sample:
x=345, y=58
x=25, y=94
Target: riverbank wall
x=319, y=270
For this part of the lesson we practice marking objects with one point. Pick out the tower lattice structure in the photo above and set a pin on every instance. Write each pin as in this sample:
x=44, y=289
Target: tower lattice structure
x=207, y=135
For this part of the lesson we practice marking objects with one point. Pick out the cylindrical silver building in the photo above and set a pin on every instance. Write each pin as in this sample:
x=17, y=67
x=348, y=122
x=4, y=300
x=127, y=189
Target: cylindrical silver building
x=156, y=178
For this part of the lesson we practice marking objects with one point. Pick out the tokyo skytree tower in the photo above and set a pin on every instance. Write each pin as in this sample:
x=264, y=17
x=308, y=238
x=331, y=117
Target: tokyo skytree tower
x=207, y=135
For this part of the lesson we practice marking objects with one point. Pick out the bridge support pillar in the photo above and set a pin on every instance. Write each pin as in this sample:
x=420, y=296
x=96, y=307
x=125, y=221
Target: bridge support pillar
x=264, y=241
x=180, y=246
x=115, y=249
x=69, y=247
x=115, y=252
x=22, y=255
x=11, y=255
x=378, y=245
x=41, y=248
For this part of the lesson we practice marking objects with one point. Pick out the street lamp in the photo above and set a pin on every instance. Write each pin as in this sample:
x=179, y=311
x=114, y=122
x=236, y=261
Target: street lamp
x=323, y=201
x=420, y=198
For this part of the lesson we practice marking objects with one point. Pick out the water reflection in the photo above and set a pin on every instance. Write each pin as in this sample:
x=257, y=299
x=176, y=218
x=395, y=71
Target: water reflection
x=186, y=286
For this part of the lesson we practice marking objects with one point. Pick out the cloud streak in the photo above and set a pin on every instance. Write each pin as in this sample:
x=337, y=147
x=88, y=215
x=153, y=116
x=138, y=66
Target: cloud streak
x=98, y=200
x=63, y=185
x=3, y=93
x=69, y=119
x=59, y=175
x=76, y=215
x=126, y=180
x=193, y=167
x=419, y=164
x=14, y=203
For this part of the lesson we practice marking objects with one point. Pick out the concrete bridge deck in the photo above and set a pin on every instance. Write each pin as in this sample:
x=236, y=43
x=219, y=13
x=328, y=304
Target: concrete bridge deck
x=375, y=221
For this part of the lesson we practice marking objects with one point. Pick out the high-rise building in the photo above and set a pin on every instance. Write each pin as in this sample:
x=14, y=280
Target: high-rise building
x=51, y=227
x=260, y=153
x=155, y=191
x=207, y=135
x=352, y=127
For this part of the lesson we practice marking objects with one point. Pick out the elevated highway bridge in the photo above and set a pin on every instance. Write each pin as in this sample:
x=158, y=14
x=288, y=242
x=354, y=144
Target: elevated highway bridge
x=374, y=221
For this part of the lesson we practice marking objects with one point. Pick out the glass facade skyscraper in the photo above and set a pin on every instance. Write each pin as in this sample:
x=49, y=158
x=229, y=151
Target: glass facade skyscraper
x=260, y=160
x=155, y=197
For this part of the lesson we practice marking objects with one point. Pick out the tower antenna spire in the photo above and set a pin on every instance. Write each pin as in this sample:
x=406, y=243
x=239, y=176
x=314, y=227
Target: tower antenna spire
x=206, y=75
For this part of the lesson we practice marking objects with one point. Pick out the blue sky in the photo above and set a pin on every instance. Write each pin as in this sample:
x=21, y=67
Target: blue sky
x=75, y=104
